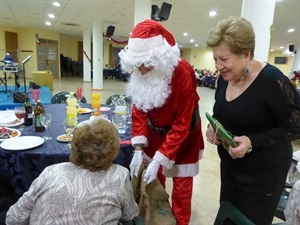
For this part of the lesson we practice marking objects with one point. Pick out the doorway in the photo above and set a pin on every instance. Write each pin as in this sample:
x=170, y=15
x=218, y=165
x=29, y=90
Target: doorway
x=47, y=56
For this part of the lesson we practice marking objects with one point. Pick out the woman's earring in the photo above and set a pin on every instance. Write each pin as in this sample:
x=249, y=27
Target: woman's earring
x=245, y=72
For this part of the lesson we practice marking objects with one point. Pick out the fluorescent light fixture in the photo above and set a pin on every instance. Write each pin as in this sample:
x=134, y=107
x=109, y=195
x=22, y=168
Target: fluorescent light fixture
x=291, y=30
x=212, y=13
x=196, y=45
x=51, y=15
x=185, y=34
x=192, y=40
x=281, y=47
x=56, y=4
x=48, y=23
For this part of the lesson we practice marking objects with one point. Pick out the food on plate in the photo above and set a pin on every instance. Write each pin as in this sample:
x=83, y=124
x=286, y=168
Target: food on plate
x=64, y=138
x=82, y=110
x=6, y=133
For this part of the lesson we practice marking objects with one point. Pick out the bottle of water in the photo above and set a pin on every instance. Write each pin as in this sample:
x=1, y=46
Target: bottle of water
x=72, y=109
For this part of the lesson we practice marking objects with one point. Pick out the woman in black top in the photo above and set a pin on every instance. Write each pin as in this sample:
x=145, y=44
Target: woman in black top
x=257, y=103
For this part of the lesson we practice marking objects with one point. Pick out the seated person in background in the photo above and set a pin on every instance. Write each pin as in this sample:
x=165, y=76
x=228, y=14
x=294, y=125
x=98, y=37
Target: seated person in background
x=88, y=190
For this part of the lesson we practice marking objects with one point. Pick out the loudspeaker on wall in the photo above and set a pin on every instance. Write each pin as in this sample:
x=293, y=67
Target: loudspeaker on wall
x=165, y=11
x=291, y=48
x=110, y=31
x=154, y=12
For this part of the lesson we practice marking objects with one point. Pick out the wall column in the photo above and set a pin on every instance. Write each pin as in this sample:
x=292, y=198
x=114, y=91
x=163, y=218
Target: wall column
x=87, y=50
x=97, y=55
x=296, y=58
x=142, y=10
x=262, y=25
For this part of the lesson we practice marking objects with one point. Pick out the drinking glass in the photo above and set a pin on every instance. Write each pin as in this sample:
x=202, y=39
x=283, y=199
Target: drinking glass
x=20, y=114
x=120, y=122
x=70, y=125
x=46, y=121
x=79, y=95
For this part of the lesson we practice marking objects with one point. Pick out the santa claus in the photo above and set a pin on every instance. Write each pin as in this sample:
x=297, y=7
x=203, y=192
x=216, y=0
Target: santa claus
x=166, y=127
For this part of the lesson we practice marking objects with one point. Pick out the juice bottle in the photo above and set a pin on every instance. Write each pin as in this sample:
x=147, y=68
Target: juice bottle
x=72, y=109
x=96, y=103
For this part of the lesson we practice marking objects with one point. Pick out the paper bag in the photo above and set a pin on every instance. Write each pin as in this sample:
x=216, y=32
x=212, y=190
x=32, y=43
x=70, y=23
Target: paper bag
x=153, y=201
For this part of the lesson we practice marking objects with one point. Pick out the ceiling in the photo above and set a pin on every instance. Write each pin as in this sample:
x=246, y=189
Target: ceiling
x=189, y=16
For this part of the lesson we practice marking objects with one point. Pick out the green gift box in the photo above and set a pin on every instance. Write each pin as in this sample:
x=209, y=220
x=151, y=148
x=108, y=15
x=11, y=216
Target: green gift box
x=226, y=137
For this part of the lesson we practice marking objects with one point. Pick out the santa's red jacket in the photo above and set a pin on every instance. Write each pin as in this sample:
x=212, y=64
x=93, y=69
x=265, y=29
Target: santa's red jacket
x=181, y=148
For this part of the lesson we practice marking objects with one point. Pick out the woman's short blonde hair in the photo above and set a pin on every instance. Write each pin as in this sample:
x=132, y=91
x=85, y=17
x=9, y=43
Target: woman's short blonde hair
x=235, y=32
x=95, y=145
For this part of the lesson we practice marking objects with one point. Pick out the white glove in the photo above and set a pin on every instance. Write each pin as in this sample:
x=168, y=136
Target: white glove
x=151, y=173
x=136, y=163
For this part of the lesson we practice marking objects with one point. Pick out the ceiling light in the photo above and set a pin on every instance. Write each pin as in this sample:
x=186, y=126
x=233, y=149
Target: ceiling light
x=56, y=4
x=185, y=34
x=192, y=40
x=212, y=13
x=51, y=15
x=281, y=47
x=271, y=50
x=48, y=23
x=196, y=45
x=291, y=30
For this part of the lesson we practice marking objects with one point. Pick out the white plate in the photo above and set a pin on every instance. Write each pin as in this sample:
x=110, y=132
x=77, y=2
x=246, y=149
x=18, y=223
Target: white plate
x=84, y=110
x=63, y=138
x=83, y=122
x=14, y=123
x=18, y=134
x=22, y=143
x=8, y=119
x=104, y=109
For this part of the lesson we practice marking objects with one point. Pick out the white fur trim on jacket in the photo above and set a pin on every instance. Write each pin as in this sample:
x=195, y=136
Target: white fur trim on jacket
x=180, y=170
x=163, y=160
x=139, y=140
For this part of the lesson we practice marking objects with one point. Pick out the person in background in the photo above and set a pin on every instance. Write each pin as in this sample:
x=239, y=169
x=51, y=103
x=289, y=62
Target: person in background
x=88, y=190
x=166, y=126
x=256, y=103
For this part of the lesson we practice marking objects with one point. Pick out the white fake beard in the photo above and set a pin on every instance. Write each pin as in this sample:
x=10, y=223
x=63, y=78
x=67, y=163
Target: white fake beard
x=151, y=90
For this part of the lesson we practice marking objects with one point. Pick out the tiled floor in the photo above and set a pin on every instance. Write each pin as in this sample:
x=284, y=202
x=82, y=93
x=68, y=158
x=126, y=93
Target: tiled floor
x=207, y=184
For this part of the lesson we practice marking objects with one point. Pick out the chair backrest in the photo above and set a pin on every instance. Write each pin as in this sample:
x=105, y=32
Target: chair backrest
x=61, y=97
x=228, y=211
x=110, y=102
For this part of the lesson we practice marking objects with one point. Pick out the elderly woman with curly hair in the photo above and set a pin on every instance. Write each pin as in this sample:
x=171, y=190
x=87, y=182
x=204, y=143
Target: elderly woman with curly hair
x=88, y=190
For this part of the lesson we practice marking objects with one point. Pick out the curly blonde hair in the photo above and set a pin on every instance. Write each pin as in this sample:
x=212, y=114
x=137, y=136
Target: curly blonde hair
x=236, y=32
x=95, y=145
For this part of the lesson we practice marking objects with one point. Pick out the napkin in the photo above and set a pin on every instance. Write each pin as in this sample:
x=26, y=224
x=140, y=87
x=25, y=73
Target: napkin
x=8, y=117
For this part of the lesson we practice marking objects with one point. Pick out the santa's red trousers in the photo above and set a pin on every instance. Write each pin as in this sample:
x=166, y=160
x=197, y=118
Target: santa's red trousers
x=181, y=197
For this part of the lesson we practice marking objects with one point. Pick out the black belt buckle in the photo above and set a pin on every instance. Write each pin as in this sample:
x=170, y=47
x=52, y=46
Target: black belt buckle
x=160, y=131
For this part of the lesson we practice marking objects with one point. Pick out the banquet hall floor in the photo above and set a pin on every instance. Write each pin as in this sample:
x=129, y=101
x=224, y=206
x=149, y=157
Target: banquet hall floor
x=207, y=183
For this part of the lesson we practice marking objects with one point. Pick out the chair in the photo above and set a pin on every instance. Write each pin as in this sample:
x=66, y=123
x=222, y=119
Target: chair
x=109, y=100
x=229, y=212
x=61, y=97
x=136, y=221
x=293, y=176
x=283, y=201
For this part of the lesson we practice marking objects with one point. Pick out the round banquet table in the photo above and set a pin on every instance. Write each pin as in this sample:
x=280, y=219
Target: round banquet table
x=21, y=167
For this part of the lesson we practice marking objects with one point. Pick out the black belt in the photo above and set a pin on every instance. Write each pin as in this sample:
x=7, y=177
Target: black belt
x=164, y=130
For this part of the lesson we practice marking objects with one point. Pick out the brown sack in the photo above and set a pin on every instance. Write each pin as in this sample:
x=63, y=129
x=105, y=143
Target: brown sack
x=153, y=200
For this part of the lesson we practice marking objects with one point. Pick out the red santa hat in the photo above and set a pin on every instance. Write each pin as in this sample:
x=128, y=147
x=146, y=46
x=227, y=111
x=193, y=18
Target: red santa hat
x=147, y=36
